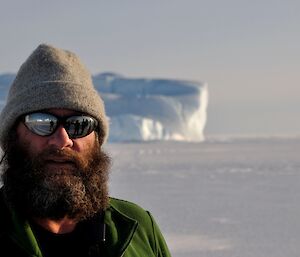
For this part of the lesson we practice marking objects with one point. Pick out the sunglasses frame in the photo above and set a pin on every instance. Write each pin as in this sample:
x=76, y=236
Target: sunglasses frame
x=61, y=121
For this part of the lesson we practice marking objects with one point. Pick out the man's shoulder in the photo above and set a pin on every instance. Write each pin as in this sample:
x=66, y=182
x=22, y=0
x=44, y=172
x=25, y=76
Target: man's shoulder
x=145, y=227
x=121, y=203
x=130, y=209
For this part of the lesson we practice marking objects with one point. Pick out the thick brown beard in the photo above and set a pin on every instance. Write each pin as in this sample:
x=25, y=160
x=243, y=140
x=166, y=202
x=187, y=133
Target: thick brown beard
x=78, y=191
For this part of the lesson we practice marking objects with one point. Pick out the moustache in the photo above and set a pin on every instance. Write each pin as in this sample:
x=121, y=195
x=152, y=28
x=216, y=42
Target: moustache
x=58, y=156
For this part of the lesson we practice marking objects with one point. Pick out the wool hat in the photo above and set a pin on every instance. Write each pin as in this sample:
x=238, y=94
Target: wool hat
x=51, y=78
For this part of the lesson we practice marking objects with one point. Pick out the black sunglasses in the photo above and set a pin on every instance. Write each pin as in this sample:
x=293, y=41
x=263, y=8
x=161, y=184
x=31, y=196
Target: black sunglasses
x=45, y=124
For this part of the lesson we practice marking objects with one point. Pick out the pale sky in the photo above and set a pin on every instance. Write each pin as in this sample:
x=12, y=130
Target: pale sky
x=248, y=52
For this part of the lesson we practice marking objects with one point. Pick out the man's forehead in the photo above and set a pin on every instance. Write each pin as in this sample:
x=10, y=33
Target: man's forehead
x=61, y=112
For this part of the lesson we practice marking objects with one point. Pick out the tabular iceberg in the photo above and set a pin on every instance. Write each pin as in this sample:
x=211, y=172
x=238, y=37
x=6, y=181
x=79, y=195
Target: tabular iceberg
x=153, y=109
x=147, y=109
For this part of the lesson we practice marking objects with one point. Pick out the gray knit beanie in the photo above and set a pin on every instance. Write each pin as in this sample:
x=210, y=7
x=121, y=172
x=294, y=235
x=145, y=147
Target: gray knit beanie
x=51, y=78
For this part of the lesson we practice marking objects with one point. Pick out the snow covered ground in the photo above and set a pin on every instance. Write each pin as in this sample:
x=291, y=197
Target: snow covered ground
x=229, y=198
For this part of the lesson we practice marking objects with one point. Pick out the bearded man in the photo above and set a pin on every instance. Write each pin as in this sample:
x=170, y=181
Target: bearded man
x=54, y=200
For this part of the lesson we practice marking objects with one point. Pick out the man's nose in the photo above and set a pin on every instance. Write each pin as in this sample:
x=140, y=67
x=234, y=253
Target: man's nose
x=60, y=138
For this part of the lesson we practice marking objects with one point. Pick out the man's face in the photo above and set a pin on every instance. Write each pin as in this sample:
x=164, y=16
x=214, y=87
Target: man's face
x=55, y=176
x=59, y=140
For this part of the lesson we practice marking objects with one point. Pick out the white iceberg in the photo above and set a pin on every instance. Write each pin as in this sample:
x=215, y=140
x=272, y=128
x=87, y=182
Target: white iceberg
x=153, y=109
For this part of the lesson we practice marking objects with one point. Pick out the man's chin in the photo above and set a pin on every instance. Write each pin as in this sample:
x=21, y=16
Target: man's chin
x=59, y=181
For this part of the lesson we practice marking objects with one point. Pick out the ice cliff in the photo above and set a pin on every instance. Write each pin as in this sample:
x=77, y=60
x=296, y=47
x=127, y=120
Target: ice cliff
x=153, y=109
x=147, y=109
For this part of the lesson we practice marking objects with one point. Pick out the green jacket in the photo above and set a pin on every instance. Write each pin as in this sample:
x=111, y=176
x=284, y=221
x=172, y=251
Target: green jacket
x=130, y=232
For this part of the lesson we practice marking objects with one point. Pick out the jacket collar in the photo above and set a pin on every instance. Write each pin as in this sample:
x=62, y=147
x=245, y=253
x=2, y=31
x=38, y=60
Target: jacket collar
x=120, y=230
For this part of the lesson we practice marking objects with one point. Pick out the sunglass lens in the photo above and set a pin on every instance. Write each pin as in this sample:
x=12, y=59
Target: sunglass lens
x=42, y=124
x=80, y=126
